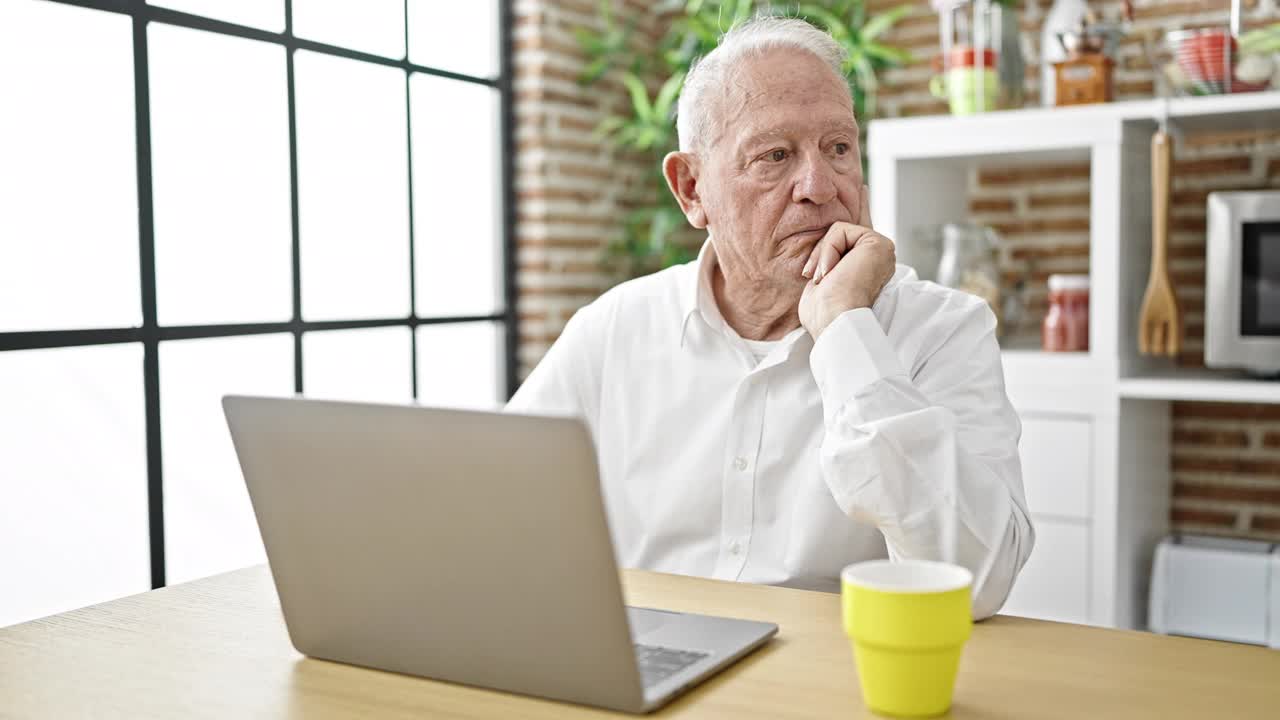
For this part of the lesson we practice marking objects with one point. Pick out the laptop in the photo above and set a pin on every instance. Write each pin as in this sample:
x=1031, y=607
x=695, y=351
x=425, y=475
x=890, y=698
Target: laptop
x=470, y=547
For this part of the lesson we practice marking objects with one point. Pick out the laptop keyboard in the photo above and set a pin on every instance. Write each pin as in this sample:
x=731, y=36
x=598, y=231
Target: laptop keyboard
x=659, y=663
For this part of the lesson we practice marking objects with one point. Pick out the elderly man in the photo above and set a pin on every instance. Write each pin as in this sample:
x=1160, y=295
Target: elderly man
x=792, y=401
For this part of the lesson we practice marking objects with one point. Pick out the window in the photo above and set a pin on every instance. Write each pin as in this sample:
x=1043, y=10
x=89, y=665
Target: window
x=208, y=197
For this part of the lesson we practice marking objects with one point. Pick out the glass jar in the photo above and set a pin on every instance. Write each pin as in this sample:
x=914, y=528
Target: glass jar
x=1011, y=65
x=989, y=31
x=921, y=249
x=1066, y=326
x=969, y=262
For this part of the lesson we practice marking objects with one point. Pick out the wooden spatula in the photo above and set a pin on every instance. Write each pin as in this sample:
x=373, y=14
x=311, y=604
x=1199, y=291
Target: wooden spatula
x=1160, y=324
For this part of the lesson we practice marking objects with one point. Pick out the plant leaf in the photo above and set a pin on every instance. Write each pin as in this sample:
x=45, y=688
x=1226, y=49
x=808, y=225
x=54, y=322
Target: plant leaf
x=866, y=78
x=889, y=55
x=593, y=71
x=608, y=126
x=885, y=20
x=666, y=96
x=866, y=74
x=829, y=20
x=641, y=215
x=706, y=33
x=639, y=96
x=659, y=228
x=842, y=7
x=626, y=136
x=588, y=41
x=647, y=137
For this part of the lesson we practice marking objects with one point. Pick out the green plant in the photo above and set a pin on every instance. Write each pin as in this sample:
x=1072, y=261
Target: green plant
x=648, y=240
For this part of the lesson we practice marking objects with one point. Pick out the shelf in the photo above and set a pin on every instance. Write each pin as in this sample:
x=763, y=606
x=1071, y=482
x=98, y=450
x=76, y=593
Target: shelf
x=1039, y=381
x=1040, y=361
x=1037, y=131
x=1242, y=111
x=1202, y=385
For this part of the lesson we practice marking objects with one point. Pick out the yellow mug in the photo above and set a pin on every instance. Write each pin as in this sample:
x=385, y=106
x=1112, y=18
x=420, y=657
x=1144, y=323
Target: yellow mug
x=908, y=622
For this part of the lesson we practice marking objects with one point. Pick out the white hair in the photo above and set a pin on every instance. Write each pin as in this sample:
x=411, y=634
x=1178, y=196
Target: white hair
x=708, y=77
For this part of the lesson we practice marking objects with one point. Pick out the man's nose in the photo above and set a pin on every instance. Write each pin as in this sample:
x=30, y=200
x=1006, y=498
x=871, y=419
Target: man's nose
x=815, y=183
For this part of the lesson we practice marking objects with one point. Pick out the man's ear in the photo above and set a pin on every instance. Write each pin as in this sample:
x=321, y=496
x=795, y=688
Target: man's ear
x=681, y=171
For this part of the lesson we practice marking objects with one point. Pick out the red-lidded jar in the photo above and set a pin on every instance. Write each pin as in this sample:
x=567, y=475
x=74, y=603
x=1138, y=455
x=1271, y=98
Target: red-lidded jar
x=1066, y=326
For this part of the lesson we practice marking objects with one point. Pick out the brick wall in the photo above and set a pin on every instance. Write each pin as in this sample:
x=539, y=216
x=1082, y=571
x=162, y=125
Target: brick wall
x=571, y=192
x=571, y=189
x=1226, y=469
x=1042, y=215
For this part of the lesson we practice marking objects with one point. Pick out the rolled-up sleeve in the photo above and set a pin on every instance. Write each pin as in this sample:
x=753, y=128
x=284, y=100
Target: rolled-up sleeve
x=897, y=442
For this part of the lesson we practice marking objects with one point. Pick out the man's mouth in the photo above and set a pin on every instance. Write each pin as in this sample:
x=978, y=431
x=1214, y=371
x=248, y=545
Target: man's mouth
x=811, y=234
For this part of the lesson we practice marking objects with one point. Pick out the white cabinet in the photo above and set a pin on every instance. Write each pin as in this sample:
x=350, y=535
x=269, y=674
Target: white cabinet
x=1057, y=474
x=1054, y=584
x=1057, y=400
x=1056, y=457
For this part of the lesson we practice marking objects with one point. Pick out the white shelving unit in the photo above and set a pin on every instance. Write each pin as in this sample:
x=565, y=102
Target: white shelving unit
x=1095, y=446
x=1201, y=386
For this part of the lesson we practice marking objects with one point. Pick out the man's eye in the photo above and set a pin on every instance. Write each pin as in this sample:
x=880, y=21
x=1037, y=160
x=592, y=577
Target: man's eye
x=777, y=155
x=842, y=148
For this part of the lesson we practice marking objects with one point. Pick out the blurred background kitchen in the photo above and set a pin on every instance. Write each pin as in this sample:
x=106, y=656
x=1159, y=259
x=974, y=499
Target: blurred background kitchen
x=399, y=200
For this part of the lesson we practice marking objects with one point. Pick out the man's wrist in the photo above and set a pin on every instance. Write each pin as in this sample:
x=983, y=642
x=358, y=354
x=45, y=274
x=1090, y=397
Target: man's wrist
x=826, y=316
x=852, y=356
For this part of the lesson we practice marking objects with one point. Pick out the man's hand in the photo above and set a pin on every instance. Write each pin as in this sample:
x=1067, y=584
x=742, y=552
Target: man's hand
x=849, y=267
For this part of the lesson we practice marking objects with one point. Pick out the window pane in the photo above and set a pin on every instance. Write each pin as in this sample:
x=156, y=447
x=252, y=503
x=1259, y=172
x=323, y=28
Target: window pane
x=220, y=159
x=68, y=182
x=372, y=365
x=459, y=365
x=467, y=42
x=353, y=188
x=265, y=14
x=456, y=191
x=372, y=26
x=208, y=522
x=73, y=475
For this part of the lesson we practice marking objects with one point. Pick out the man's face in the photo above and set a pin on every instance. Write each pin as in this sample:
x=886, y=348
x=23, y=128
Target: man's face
x=781, y=165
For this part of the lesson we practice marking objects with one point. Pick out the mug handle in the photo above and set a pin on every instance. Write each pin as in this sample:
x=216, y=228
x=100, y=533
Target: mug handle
x=938, y=86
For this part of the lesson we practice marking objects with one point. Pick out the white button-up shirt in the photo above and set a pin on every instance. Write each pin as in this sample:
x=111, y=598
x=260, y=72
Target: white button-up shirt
x=783, y=470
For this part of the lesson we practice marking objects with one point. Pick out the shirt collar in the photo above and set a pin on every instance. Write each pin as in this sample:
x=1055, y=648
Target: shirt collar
x=697, y=297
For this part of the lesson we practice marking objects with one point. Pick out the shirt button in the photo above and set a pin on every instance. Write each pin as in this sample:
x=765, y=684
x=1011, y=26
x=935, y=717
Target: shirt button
x=735, y=548
x=739, y=463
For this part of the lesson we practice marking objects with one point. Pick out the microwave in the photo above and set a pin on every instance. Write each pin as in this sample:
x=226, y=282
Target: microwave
x=1242, y=282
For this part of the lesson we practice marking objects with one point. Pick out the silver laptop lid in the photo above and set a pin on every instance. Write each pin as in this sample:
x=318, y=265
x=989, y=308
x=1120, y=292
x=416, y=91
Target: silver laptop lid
x=464, y=546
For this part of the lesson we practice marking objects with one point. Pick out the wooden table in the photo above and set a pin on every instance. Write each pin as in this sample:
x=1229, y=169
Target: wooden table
x=217, y=648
